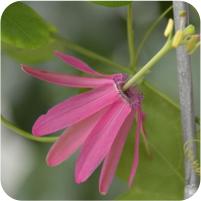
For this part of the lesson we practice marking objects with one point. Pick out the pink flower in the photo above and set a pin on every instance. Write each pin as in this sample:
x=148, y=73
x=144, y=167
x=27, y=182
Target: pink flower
x=98, y=121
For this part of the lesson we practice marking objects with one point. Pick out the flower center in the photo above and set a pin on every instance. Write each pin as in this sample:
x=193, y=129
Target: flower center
x=132, y=95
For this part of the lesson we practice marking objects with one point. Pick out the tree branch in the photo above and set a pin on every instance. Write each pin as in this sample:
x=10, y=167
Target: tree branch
x=181, y=15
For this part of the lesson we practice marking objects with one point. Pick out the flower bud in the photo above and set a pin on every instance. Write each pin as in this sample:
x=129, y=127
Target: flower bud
x=193, y=43
x=178, y=37
x=189, y=30
x=169, y=27
x=182, y=13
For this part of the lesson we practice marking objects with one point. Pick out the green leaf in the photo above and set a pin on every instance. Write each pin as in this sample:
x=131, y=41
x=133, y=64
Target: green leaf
x=32, y=56
x=22, y=27
x=162, y=176
x=112, y=3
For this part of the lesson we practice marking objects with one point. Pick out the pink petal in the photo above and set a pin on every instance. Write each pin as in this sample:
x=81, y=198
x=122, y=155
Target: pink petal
x=76, y=63
x=75, y=109
x=112, y=159
x=72, y=139
x=144, y=136
x=65, y=79
x=82, y=66
x=101, y=139
x=136, y=148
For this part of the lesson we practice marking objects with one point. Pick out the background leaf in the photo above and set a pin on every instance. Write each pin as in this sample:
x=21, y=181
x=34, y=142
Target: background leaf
x=161, y=177
x=22, y=27
x=32, y=56
x=112, y=3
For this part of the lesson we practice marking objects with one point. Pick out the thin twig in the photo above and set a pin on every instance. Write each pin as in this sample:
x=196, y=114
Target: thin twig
x=25, y=134
x=130, y=36
x=186, y=98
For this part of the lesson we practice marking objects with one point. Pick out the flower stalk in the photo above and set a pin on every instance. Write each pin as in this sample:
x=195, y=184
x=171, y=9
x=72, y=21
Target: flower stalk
x=147, y=67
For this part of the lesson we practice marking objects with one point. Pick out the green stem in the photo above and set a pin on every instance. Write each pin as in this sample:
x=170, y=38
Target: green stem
x=25, y=134
x=146, y=68
x=73, y=46
x=149, y=31
x=130, y=36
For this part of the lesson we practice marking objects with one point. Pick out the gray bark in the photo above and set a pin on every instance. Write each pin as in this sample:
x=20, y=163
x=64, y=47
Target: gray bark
x=186, y=99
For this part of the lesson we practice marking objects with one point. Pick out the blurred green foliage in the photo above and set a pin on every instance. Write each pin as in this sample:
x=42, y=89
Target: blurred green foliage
x=112, y=3
x=162, y=176
x=32, y=56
